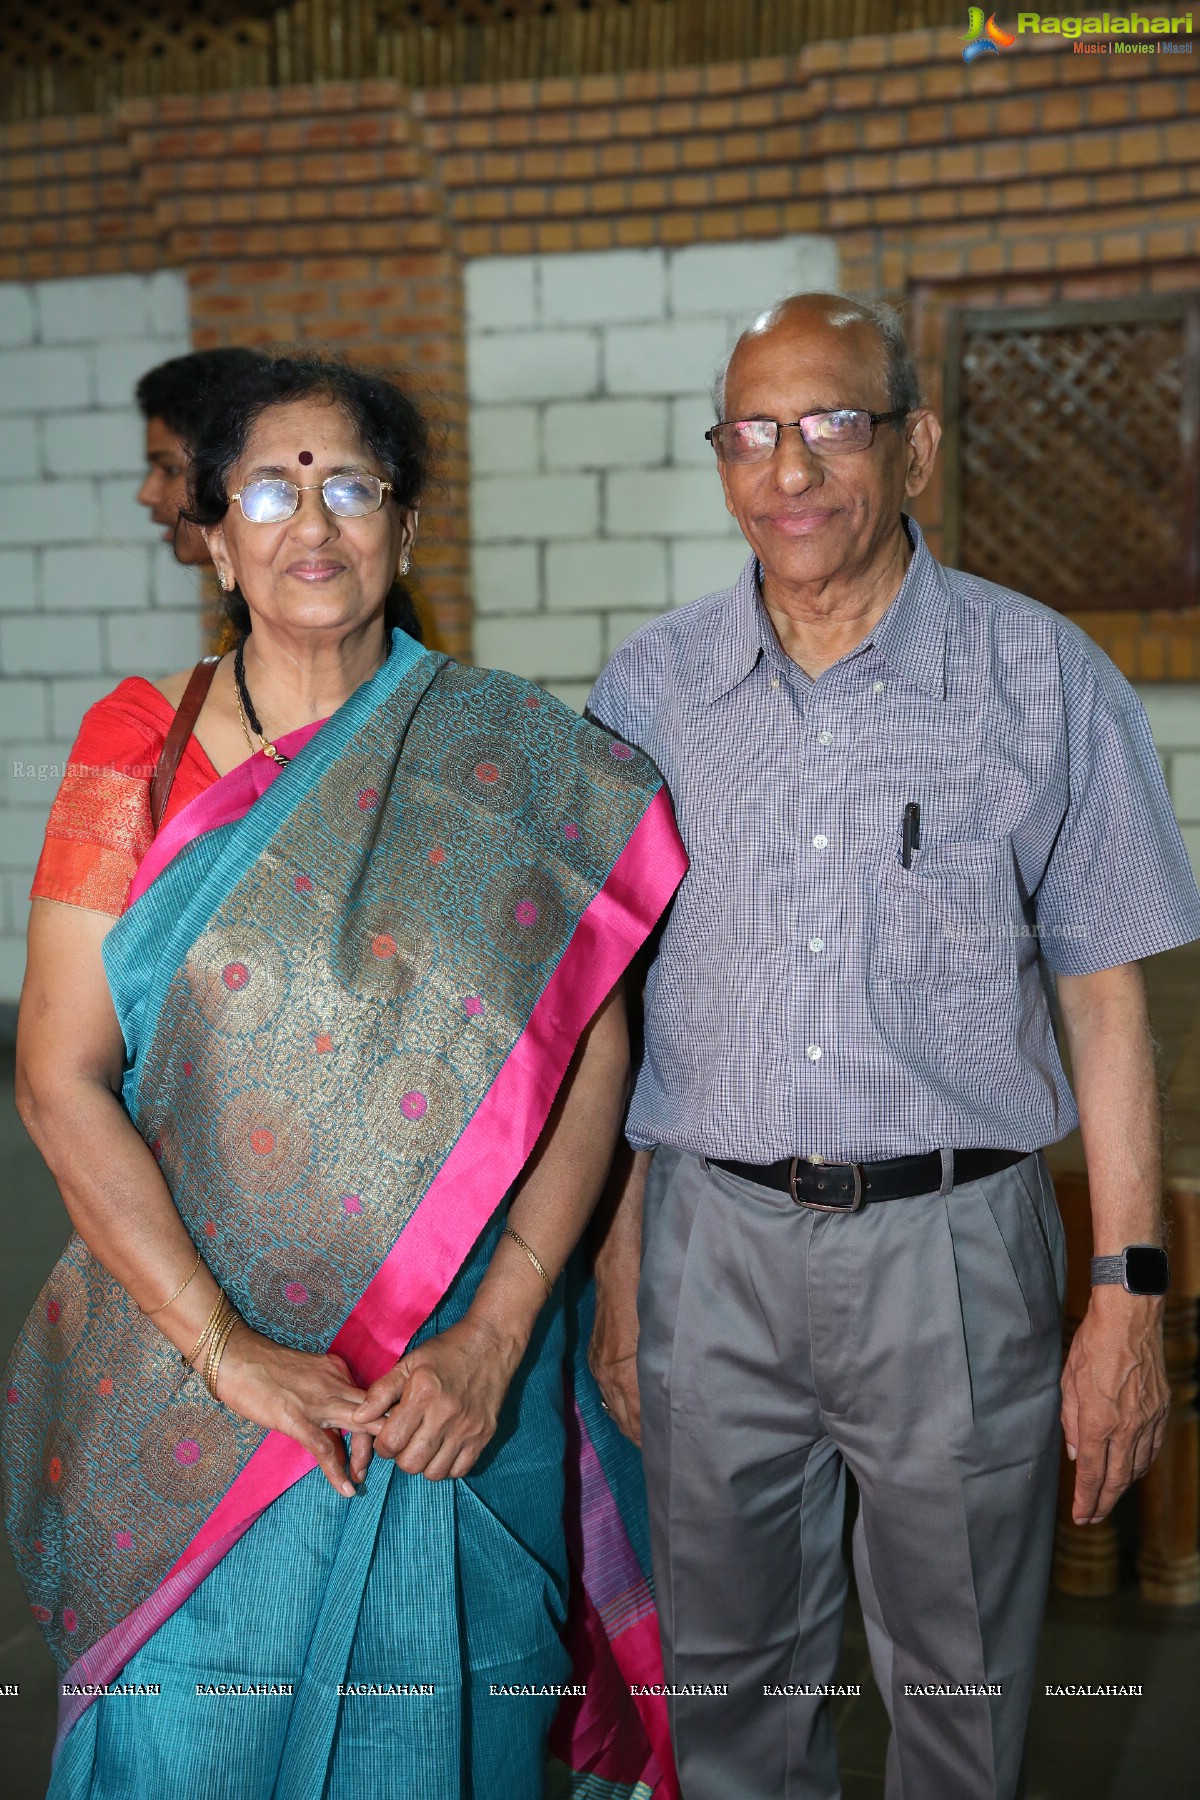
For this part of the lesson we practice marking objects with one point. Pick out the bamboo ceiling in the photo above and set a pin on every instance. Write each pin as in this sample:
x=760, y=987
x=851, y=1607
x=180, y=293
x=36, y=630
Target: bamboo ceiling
x=71, y=56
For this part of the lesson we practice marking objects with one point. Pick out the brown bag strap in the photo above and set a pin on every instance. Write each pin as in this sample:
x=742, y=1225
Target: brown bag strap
x=182, y=726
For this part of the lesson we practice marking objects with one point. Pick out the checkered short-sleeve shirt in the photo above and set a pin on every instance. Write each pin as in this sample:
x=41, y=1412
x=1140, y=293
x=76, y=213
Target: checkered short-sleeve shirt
x=812, y=995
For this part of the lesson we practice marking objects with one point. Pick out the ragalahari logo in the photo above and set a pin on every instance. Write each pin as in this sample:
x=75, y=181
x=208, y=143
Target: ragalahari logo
x=984, y=39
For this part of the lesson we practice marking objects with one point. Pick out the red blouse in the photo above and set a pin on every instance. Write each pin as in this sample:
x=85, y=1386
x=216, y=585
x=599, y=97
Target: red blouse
x=99, y=827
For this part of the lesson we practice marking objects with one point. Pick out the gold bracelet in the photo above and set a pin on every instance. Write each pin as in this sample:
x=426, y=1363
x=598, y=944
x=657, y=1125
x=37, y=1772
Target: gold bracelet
x=217, y=1349
x=189, y=1361
x=509, y=1232
x=174, y=1296
x=216, y=1342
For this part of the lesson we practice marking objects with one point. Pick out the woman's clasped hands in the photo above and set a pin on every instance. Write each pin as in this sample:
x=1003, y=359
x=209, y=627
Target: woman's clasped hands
x=433, y=1413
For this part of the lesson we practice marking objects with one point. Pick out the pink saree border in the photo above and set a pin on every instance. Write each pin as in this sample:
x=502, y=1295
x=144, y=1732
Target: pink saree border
x=229, y=798
x=476, y=1175
x=580, y=1731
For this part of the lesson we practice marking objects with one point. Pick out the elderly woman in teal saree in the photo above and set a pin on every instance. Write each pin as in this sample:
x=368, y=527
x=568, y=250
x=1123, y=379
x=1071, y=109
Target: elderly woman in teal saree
x=365, y=982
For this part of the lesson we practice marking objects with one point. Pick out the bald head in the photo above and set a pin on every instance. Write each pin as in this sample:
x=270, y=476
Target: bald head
x=822, y=518
x=871, y=327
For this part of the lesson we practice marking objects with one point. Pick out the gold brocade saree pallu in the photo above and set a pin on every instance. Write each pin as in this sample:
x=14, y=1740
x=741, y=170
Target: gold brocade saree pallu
x=347, y=1010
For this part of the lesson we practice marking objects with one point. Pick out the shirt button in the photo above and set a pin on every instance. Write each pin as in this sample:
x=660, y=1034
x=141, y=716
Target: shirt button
x=824, y=737
x=813, y=1053
x=877, y=687
x=816, y=943
x=774, y=681
x=820, y=842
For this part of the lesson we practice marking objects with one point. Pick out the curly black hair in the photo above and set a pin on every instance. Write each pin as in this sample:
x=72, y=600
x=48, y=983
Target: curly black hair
x=181, y=392
x=388, y=421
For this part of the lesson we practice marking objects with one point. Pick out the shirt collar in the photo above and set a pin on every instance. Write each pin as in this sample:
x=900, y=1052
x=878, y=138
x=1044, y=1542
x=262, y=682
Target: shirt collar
x=737, y=648
x=911, y=636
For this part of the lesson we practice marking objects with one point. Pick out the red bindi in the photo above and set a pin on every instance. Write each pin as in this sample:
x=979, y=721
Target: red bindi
x=305, y=457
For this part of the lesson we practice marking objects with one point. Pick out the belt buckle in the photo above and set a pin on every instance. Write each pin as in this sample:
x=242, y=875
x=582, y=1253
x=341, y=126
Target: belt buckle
x=838, y=1206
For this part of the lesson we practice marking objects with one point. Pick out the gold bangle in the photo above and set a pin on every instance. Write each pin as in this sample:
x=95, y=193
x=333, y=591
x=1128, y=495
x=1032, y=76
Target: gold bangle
x=174, y=1296
x=219, y=1333
x=217, y=1350
x=189, y=1361
x=517, y=1239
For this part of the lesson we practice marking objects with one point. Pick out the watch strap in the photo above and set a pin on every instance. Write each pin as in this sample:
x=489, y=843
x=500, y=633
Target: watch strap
x=1107, y=1270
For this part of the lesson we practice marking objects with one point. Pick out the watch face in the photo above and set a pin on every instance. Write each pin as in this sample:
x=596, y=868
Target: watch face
x=1145, y=1269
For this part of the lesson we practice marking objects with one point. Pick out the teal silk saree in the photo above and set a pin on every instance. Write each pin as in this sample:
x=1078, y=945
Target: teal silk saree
x=349, y=992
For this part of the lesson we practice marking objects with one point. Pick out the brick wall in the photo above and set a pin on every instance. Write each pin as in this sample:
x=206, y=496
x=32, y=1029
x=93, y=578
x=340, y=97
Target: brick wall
x=595, y=500
x=87, y=594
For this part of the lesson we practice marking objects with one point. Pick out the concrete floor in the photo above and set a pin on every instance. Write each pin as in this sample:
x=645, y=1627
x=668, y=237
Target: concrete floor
x=1100, y=1749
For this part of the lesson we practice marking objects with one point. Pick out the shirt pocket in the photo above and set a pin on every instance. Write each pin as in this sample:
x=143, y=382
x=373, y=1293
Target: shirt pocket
x=954, y=918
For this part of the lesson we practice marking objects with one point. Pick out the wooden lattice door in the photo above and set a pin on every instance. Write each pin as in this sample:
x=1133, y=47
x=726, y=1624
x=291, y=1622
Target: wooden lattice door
x=1073, y=440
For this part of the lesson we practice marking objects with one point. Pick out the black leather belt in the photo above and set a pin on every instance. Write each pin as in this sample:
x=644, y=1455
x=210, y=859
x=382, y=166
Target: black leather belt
x=846, y=1187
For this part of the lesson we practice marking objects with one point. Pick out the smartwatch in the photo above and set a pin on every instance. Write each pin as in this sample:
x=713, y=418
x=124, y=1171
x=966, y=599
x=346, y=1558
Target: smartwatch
x=1140, y=1269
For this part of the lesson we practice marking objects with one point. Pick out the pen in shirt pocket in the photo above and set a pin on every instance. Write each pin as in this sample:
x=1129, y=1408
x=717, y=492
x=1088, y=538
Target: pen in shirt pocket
x=910, y=833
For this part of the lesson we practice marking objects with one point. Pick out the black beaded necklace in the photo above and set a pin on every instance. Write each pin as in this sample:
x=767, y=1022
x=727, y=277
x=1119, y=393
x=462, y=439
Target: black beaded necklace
x=246, y=709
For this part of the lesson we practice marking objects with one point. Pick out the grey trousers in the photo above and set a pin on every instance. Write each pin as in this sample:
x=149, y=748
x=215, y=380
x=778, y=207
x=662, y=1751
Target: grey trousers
x=916, y=1343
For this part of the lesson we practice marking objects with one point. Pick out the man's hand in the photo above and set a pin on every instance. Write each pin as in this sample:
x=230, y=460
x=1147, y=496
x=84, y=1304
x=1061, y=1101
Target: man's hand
x=612, y=1358
x=612, y=1354
x=1115, y=1399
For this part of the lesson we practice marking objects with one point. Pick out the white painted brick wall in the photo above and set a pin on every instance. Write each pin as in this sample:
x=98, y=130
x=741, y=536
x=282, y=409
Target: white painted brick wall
x=504, y=438
x=560, y=646
x=95, y=578
x=18, y=573
x=534, y=365
x=512, y=508
x=1185, y=770
x=602, y=573
x=603, y=290
x=88, y=591
x=23, y=707
x=47, y=512
x=502, y=293
x=46, y=380
x=595, y=499
x=18, y=447
x=605, y=434
x=94, y=443
x=1174, y=713
x=662, y=359
x=18, y=321
x=503, y=576
x=679, y=502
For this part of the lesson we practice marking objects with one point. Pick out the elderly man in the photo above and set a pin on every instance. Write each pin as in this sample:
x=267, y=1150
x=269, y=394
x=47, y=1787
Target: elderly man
x=907, y=795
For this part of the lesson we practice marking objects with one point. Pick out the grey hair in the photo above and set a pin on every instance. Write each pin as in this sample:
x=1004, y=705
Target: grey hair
x=903, y=382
